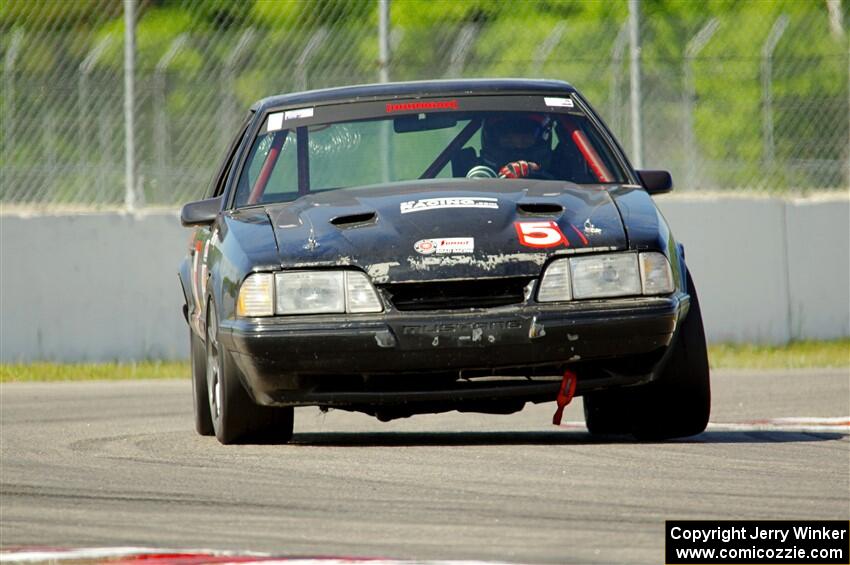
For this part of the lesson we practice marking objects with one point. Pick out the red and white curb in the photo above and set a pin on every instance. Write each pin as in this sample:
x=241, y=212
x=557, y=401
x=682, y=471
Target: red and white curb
x=799, y=424
x=154, y=556
x=839, y=425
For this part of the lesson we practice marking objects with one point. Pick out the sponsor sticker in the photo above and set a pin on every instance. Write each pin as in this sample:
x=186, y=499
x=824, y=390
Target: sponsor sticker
x=298, y=114
x=445, y=246
x=275, y=121
x=540, y=234
x=558, y=102
x=453, y=202
x=590, y=229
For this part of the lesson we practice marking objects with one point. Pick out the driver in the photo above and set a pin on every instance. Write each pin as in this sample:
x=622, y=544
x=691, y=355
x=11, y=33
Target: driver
x=517, y=145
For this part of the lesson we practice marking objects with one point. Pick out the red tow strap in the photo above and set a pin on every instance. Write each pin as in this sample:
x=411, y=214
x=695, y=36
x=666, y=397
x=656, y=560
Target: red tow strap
x=565, y=395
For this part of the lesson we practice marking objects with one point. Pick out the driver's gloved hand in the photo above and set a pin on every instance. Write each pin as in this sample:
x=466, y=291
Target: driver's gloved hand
x=518, y=169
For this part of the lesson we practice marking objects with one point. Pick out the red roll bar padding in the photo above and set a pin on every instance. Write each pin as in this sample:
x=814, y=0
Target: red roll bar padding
x=268, y=166
x=587, y=151
x=592, y=158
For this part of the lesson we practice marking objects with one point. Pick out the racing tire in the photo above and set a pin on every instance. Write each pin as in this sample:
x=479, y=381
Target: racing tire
x=200, y=398
x=236, y=418
x=606, y=413
x=678, y=404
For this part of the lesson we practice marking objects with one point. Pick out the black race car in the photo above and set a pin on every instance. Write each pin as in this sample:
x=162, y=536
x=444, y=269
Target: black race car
x=422, y=247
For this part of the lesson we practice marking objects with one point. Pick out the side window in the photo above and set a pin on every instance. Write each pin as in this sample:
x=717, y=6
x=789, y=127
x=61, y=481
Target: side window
x=216, y=187
x=271, y=168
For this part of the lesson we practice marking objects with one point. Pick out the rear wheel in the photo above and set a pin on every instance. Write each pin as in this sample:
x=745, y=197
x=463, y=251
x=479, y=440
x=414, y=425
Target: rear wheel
x=200, y=400
x=678, y=404
x=235, y=417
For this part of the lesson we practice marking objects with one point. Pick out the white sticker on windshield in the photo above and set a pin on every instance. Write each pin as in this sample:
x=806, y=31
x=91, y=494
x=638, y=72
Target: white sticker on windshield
x=275, y=121
x=558, y=102
x=442, y=203
x=298, y=114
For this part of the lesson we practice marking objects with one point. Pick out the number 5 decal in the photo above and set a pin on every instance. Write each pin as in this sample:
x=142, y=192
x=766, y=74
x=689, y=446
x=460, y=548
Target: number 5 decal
x=540, y=234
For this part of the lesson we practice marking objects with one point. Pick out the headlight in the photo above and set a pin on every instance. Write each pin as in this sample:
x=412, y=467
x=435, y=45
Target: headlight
x=605, y=276
x=655, y=274
x=325, y=292
x=307, y=292
x=311, y=292
x=602, y=276
x=256, y=296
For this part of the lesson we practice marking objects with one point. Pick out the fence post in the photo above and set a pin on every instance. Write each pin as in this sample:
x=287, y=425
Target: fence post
x=86, y=68
x=307, y=53
x=546, y=47
x=462, y=46
x=695, y=45
x=9, y=103
x=225, y=117
x=779, y=27
x=129, y=104
x=384, y=40
x=160, y=125
x=634, y=77
x=384, y=76
x=616, y=109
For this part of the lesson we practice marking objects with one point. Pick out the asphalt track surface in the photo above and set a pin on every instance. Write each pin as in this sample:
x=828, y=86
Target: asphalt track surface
x=117, y=463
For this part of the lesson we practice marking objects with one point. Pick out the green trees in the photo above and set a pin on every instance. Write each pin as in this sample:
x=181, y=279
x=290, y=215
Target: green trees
x=716, y=119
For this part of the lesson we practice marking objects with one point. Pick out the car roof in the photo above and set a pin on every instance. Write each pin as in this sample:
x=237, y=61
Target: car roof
x=413, y=89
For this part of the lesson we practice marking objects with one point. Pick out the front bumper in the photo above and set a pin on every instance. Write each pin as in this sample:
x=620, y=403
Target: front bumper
x=318, y=359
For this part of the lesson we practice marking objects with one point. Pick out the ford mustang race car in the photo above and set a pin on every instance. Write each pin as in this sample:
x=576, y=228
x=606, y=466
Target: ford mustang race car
x=421, y=247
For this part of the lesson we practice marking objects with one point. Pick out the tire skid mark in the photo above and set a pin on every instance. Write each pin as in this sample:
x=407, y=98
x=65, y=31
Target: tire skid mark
x=168, y=498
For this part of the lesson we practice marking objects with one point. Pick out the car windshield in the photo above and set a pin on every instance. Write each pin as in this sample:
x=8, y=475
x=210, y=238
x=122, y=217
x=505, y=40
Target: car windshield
x=308, y=150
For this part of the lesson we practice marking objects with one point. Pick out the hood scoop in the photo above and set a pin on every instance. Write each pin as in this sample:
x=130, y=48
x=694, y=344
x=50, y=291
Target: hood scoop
x=357, y=220
x=539, y=208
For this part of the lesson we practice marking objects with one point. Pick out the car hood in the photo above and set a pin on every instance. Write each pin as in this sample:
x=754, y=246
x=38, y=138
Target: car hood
x=445, y=230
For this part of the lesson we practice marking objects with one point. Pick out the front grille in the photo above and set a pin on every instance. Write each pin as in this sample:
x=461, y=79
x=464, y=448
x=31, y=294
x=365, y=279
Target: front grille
x=455, y=295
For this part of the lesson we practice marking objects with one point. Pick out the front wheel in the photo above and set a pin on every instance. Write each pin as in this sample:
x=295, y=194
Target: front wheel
x=200, y=399
x=235, y=417
x=678, y=404
x=607, y=413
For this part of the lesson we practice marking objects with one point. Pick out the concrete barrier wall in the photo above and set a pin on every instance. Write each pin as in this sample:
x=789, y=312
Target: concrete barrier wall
x=98, y=287
x=768, y=270
x=103, y=287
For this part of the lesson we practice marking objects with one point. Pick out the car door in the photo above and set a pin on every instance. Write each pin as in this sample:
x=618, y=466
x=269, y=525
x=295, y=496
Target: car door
x=199, y=246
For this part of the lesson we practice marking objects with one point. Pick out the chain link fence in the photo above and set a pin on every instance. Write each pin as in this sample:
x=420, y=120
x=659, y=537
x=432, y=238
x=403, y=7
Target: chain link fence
x=749, y=95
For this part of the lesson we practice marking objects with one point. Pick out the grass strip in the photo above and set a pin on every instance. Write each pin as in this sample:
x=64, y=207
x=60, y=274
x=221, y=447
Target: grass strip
x=795, y=355
x=38, y=372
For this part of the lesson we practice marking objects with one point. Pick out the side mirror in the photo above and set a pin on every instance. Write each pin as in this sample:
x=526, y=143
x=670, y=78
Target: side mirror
x=200, y=213
x=656, y=182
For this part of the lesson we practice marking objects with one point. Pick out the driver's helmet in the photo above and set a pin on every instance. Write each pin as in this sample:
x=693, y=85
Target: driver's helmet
x=511, y=137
